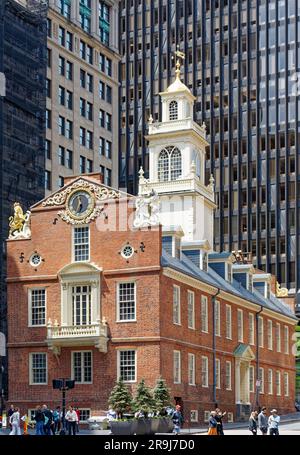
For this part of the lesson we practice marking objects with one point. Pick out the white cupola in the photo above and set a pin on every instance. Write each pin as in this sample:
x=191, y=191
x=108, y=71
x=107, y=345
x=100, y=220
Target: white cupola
x=177, y=164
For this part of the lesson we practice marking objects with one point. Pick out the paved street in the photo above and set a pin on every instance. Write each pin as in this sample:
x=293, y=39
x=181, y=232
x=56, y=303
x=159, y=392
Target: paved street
x=285, y=429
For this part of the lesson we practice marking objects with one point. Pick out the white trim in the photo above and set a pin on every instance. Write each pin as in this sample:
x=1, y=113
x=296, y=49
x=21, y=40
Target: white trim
x=118, y=301
x=278, y=383
x=270, y=334
x=278, y=337
x=217, y=320
x=251, y=379
x=270, y=381
x=206, y=372
x=191, y=293
x=286, y=335
x=119, y=367
x=204, y=300
x=175, y=286
x=178, y=354
x=84, y=409
x=262, y=379
x=228, y=364
x=191, y=357
x=240, y=335
x=73, y=242
x=30, y=364
x=260, y=341
x=229, y=322
x=82, y=366
x=29, y=299
x=218, y=374
x=251, y=330
x=286, y=385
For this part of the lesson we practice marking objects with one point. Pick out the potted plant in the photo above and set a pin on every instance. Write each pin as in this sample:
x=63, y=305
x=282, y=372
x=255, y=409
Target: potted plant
x=120, y=401
x=144, y=405
x=162, y=399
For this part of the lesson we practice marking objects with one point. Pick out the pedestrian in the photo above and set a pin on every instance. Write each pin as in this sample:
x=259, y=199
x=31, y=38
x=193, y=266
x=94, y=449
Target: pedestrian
x=212, y=424
x=71, y=418
x=25, y=420
x=177, y=419
x=78, y=419
x=219, y=418
x=263, y=421
x=48, y=418
x=9, y=414
x=39, y=421
x=253, y=423
x=14, y=420
x=274, y=421
x=56, y=419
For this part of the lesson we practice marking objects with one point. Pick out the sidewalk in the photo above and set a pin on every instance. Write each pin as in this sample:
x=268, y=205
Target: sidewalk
x=288, y=418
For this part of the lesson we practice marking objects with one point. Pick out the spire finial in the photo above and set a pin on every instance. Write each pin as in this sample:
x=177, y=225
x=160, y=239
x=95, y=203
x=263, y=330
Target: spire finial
x=150, y=119
x=180, y=56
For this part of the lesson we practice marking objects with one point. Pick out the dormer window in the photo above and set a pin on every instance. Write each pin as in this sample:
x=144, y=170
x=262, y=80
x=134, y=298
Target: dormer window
x=173, y=110
x=169, y=164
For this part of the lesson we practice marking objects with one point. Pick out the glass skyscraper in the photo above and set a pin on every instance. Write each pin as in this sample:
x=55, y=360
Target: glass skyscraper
x=243, y=65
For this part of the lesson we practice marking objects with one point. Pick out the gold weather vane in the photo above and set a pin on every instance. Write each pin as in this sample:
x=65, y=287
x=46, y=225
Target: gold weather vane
x=180, y=56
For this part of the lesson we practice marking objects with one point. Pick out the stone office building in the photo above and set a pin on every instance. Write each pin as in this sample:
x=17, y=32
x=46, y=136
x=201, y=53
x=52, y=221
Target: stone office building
x=98, y=288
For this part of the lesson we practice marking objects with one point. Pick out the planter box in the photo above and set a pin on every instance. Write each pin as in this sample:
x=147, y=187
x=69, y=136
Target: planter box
x=122, y=428
x=143, y=427
x=165, y=425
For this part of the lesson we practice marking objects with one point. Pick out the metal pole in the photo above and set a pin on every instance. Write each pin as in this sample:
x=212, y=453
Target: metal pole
x=63, y=389
x=1, y=387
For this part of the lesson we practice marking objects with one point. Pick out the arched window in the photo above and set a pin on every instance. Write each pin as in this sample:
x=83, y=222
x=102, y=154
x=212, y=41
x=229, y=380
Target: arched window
x=169, y=164
x=173, y=110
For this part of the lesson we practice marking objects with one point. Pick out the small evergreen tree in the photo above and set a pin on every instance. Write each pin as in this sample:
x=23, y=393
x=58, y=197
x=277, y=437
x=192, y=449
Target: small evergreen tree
x=143, y=400
x=161, y=395
x=120, y=399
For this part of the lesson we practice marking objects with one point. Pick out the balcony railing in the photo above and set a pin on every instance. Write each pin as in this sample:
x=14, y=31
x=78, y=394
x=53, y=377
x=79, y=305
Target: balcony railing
x=77, y=335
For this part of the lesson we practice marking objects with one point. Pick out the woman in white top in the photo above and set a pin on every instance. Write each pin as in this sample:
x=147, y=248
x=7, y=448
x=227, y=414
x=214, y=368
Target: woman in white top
x=15, y=423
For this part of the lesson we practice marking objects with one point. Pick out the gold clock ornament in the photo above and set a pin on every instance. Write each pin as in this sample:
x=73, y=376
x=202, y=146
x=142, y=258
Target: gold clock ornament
x=80, y=204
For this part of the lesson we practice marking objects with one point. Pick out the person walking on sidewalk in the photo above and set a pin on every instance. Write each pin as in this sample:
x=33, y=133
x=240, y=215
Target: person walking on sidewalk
x=274, y=421
x=56, y=419
x=39, y=419
x=177, y=419
x=219, y=418
x=212, y=424
x=9, y=414
x=48, y=418
x=263, y=421
x=253, y=423
x=71, y=418
x=15, y=423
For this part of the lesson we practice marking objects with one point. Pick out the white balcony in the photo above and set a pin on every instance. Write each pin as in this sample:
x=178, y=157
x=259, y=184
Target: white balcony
x=77, y=335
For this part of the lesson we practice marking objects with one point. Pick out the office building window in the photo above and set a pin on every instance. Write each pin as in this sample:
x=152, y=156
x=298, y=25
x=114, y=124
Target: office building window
x=204, y=371
x=260, y=332
x=61, y=95
x=69, y=41
x=81, y=244
x=228, y=322
x=104, y=22
x=177, y=367
x=217, y=319
x=48, y=149
x=65, y=8
x=286, y=384
x=61, y=36
x=108, y=122
x=228, y=375
x=176, y=305
x=108, y=94
x=102, y=90
x=89, y=166
x=48, y=119
x=37, y=299
x=69, y=100
x=61, y=181
x=204, y=314
x=69, y=70
x=61, y=155
x=278, y=337
x=278, y=383
x=82, y=367
x=69, y=159
x=261, y=377
x=191, y=309
x=101, y=146
x=251, y=328
x=270, y=335
x=48, y=180
x=48, y=88
x=107, y=175
x=270, y=382
x=240, y=326
x=89, y=140
x=82, y=164
x=191, y=369
x=38, y=368
x=286, y=339
x=108, y=149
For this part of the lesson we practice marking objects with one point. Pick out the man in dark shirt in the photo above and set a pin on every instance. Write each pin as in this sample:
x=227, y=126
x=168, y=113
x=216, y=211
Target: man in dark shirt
x=9, y=414
x=48, y=419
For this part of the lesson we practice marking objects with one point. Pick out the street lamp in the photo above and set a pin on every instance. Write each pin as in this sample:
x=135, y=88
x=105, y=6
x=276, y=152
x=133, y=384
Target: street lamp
x=63, y=384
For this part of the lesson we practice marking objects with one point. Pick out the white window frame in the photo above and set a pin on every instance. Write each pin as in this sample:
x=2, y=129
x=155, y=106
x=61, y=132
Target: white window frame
x=204, y=304
x=286, y=339
x=192, y=371
x=73, y=243
x=217, y=318
x=270, y=335
x=84, y=409
x=204, y=361
x=30, y=324
x=191, y=308
x=260, y=340
x=228, y=364
x=251, y=379
x=118, y=301
x=194, y=416
x=176, y=357
x=206, y=416
x=262, y=380
x=31, y=354
x=278, y=383
x=240, y=331
x=82, y=366
x=270, y=381
x=178, y=320
x=278, y=337
x=230, y=417
x=286, y=380
x=228, y=322
x=218, y=374
x=119, y=365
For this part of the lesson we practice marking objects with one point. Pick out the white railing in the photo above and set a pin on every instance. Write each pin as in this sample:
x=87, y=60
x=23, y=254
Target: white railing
x=77, y=331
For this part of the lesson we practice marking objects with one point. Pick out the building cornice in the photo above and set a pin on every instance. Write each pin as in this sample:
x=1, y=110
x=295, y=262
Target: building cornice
x=179, y=276
x=154, y=268
x=30, y=278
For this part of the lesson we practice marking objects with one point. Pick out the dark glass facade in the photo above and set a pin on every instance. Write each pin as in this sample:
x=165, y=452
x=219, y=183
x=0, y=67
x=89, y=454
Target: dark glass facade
x=242, y=63
x=23, y=43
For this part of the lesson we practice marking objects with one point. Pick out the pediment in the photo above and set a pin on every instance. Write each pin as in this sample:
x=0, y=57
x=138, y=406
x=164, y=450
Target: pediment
x=244, y=351
x=79, y=269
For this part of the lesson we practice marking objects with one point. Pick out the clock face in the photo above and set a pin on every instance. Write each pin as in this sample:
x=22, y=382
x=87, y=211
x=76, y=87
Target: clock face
x=80, y=204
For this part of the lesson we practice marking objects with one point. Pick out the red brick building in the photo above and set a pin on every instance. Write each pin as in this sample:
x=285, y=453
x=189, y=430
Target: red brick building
x=98, y=289
x=92, y=304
